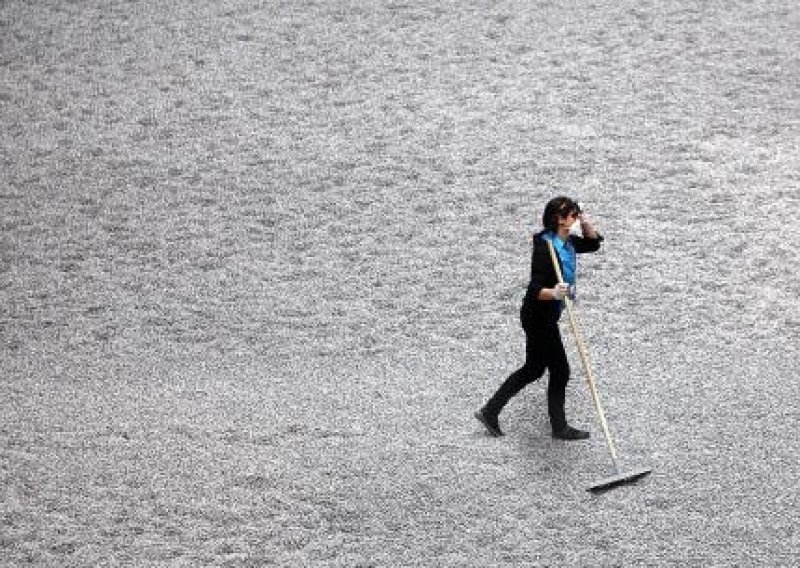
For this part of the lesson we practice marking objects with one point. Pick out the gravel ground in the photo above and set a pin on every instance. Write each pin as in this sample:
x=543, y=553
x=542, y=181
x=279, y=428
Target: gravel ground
x=262, y=260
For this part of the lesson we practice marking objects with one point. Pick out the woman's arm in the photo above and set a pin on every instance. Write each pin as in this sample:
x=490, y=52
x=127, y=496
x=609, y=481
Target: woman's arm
x=591, y=239
x=543, y=275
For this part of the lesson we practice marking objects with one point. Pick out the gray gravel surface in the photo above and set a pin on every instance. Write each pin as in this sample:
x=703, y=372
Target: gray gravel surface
x=262, y=260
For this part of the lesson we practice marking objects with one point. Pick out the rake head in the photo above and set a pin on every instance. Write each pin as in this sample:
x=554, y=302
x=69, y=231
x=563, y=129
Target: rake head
x=618, y=479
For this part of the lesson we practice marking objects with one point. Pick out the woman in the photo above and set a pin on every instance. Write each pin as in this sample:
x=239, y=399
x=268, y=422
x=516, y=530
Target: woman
x=541, y=310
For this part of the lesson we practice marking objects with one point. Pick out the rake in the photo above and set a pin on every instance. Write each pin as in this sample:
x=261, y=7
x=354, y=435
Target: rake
x=618, y=477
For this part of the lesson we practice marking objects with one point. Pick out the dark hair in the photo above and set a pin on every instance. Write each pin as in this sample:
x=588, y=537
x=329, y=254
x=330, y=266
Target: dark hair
x=558, y=207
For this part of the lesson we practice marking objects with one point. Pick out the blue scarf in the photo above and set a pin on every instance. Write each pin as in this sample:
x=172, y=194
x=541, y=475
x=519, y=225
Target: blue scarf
x=567, y=255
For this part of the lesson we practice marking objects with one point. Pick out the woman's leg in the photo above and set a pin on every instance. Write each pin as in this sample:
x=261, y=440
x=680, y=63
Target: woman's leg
x=558, y=371
x=531, y=371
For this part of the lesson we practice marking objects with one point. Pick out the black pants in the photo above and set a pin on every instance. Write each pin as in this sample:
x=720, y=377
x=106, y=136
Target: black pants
x=544, y=349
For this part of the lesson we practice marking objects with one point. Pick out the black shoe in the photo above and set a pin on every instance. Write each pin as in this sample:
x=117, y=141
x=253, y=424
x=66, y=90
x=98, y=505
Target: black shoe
x=490, y=422
x=570, y=433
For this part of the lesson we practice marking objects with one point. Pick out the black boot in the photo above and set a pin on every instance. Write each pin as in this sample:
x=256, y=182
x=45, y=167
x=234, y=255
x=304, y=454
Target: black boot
x=489, y=421
x=570, y=433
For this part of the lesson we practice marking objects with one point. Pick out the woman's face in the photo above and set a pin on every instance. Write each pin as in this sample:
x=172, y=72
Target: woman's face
x=568, y=221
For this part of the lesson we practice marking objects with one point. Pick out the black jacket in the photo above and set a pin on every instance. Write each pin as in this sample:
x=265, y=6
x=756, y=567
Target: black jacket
x=537, y=312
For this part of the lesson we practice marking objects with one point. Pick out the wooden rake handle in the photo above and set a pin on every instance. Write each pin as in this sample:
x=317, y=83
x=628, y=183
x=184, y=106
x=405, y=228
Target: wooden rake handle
x=584, y=355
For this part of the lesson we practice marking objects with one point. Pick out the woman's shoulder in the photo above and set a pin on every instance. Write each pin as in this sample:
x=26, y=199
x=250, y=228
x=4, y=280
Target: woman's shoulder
x=540, y=245
x=540, y=237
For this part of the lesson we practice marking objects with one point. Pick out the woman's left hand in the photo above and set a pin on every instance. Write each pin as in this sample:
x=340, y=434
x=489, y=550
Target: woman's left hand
x=587, y=224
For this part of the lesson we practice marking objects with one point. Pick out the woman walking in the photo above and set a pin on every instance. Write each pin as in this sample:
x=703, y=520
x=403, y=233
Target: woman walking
x=541, y=310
